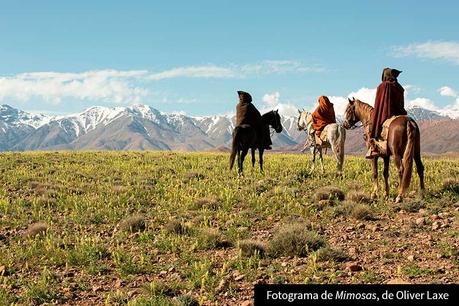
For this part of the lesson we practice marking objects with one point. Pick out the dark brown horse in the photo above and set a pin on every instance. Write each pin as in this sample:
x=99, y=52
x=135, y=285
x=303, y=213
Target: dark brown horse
x=403, y=143
x=245, y=137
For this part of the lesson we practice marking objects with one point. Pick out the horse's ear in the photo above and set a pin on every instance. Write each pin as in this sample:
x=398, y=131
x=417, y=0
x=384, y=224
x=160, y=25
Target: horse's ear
x=351, y=101
x=299, y=111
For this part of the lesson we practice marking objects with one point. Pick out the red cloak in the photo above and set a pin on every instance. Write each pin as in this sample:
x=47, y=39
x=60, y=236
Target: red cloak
x=389, y=102
x=323, y=115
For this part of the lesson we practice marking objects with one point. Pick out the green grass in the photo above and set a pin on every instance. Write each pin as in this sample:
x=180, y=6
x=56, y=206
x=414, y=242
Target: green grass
x=166, y=218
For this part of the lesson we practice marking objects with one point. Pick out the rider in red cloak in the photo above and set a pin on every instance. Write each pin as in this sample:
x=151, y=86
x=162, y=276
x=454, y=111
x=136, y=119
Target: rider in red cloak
x=323, y=115
x=389, y=102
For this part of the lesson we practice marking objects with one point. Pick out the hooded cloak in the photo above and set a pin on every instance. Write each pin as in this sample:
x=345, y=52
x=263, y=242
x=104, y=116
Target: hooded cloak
x=389, y=100
x=323, y=115
x=247, y=113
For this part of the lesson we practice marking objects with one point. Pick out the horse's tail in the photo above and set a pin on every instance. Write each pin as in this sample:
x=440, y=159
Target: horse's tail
x=234, y=146
x=407, y=161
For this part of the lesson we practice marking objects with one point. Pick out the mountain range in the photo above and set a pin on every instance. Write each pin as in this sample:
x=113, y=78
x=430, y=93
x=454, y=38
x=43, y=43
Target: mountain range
x=142, y=127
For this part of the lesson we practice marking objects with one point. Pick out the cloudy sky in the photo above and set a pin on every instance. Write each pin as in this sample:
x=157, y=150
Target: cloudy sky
x=192, y=56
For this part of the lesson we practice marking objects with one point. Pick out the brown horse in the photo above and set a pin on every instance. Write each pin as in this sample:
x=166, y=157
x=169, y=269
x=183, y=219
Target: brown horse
x=403, y=143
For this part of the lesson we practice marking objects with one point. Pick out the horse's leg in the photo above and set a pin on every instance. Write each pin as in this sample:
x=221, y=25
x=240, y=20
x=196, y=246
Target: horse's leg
x=239, y=164
x=321, y=160
x=386, y=177
x=338, y=156
x=374, y=164
x=243, y=154
x=260, y=153
x=253, y=158
x=313, y=152
x=398, y=165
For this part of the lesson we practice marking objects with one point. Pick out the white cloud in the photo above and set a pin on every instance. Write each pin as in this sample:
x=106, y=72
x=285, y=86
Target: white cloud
x=210, y=71
x=422, y=102
x=236, y=71
x=364, y=94
x=339, y=104
x=102, y=85
x=276, y=67
x=447, y=92
x=443, y=50
x=272, y=101
x=117, y=86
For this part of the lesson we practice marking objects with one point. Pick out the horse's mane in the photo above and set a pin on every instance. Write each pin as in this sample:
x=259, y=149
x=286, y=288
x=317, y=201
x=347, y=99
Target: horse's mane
x=267, y=116
x=366, y=107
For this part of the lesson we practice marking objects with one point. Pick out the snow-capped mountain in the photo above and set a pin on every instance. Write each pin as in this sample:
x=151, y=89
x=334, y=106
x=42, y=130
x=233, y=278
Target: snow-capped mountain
x=138, y=127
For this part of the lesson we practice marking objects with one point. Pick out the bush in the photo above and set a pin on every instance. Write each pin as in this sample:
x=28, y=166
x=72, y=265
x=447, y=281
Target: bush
x=208, y=202
x=331, y=254
x=176, y=227
x=135, y=223
x=358, y=197
x=212, y=238
x=295, y=240
x=36, y=229
x=250, y=247
x=329, y=193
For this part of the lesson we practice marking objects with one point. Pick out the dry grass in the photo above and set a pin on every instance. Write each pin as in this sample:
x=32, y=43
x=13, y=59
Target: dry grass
x=329, y=193
x=176, y=227
x=450, y=184
x=358, y=197
x=355, y=210
x=294, y=240
x=250, y=247
x=211, y=203
x=211, y=238
x=332, y=254
x=193, y=176
x=134, y=223
x=36, y=229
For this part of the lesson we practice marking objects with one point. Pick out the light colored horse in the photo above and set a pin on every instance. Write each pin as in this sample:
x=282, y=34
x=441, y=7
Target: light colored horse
x=335, y=138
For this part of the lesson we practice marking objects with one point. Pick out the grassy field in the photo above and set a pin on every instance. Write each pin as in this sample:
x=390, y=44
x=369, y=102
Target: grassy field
x=149, y=228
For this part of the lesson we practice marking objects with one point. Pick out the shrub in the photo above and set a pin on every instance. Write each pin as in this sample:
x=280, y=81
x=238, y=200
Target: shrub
x=250, y=247
x=295, y=240
x=135, y=223
x=329, y=193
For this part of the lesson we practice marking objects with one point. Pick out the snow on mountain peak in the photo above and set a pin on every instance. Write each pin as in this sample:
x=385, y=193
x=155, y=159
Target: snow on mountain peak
x=16, y=117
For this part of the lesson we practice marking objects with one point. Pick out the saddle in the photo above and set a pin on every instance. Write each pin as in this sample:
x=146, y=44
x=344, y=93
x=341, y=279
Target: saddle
x=322, y=138
x=381, y=142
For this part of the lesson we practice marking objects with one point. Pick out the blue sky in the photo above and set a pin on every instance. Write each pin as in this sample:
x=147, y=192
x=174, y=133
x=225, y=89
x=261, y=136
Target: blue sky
x=192, y=56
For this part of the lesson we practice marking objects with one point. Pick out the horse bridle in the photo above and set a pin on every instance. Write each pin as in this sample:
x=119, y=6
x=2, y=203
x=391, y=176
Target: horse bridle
x=278, y=124
x=354, y=119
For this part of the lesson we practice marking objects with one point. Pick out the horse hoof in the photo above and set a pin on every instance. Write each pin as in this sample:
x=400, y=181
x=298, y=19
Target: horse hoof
x=374, y=196
x=399, y=199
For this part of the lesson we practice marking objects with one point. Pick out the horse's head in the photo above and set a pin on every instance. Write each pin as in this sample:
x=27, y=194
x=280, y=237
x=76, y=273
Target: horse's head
x=303, y=119
x=350, y=118
x=277, y=125
x=272, y=119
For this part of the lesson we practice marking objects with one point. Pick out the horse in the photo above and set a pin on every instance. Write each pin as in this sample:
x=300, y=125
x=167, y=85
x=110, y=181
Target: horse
x=335, y=138
x=245, y=137
x=403, y=143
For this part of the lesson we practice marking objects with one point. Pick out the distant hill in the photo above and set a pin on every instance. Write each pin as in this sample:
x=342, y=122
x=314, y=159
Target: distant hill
x=141, y=127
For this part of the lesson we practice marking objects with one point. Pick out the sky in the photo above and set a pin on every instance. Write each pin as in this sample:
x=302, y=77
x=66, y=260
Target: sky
x=61, y=57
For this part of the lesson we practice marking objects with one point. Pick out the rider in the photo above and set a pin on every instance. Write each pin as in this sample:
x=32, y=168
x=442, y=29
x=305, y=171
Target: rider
x=247, y=113
x=389, y=102
x=323, y=115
